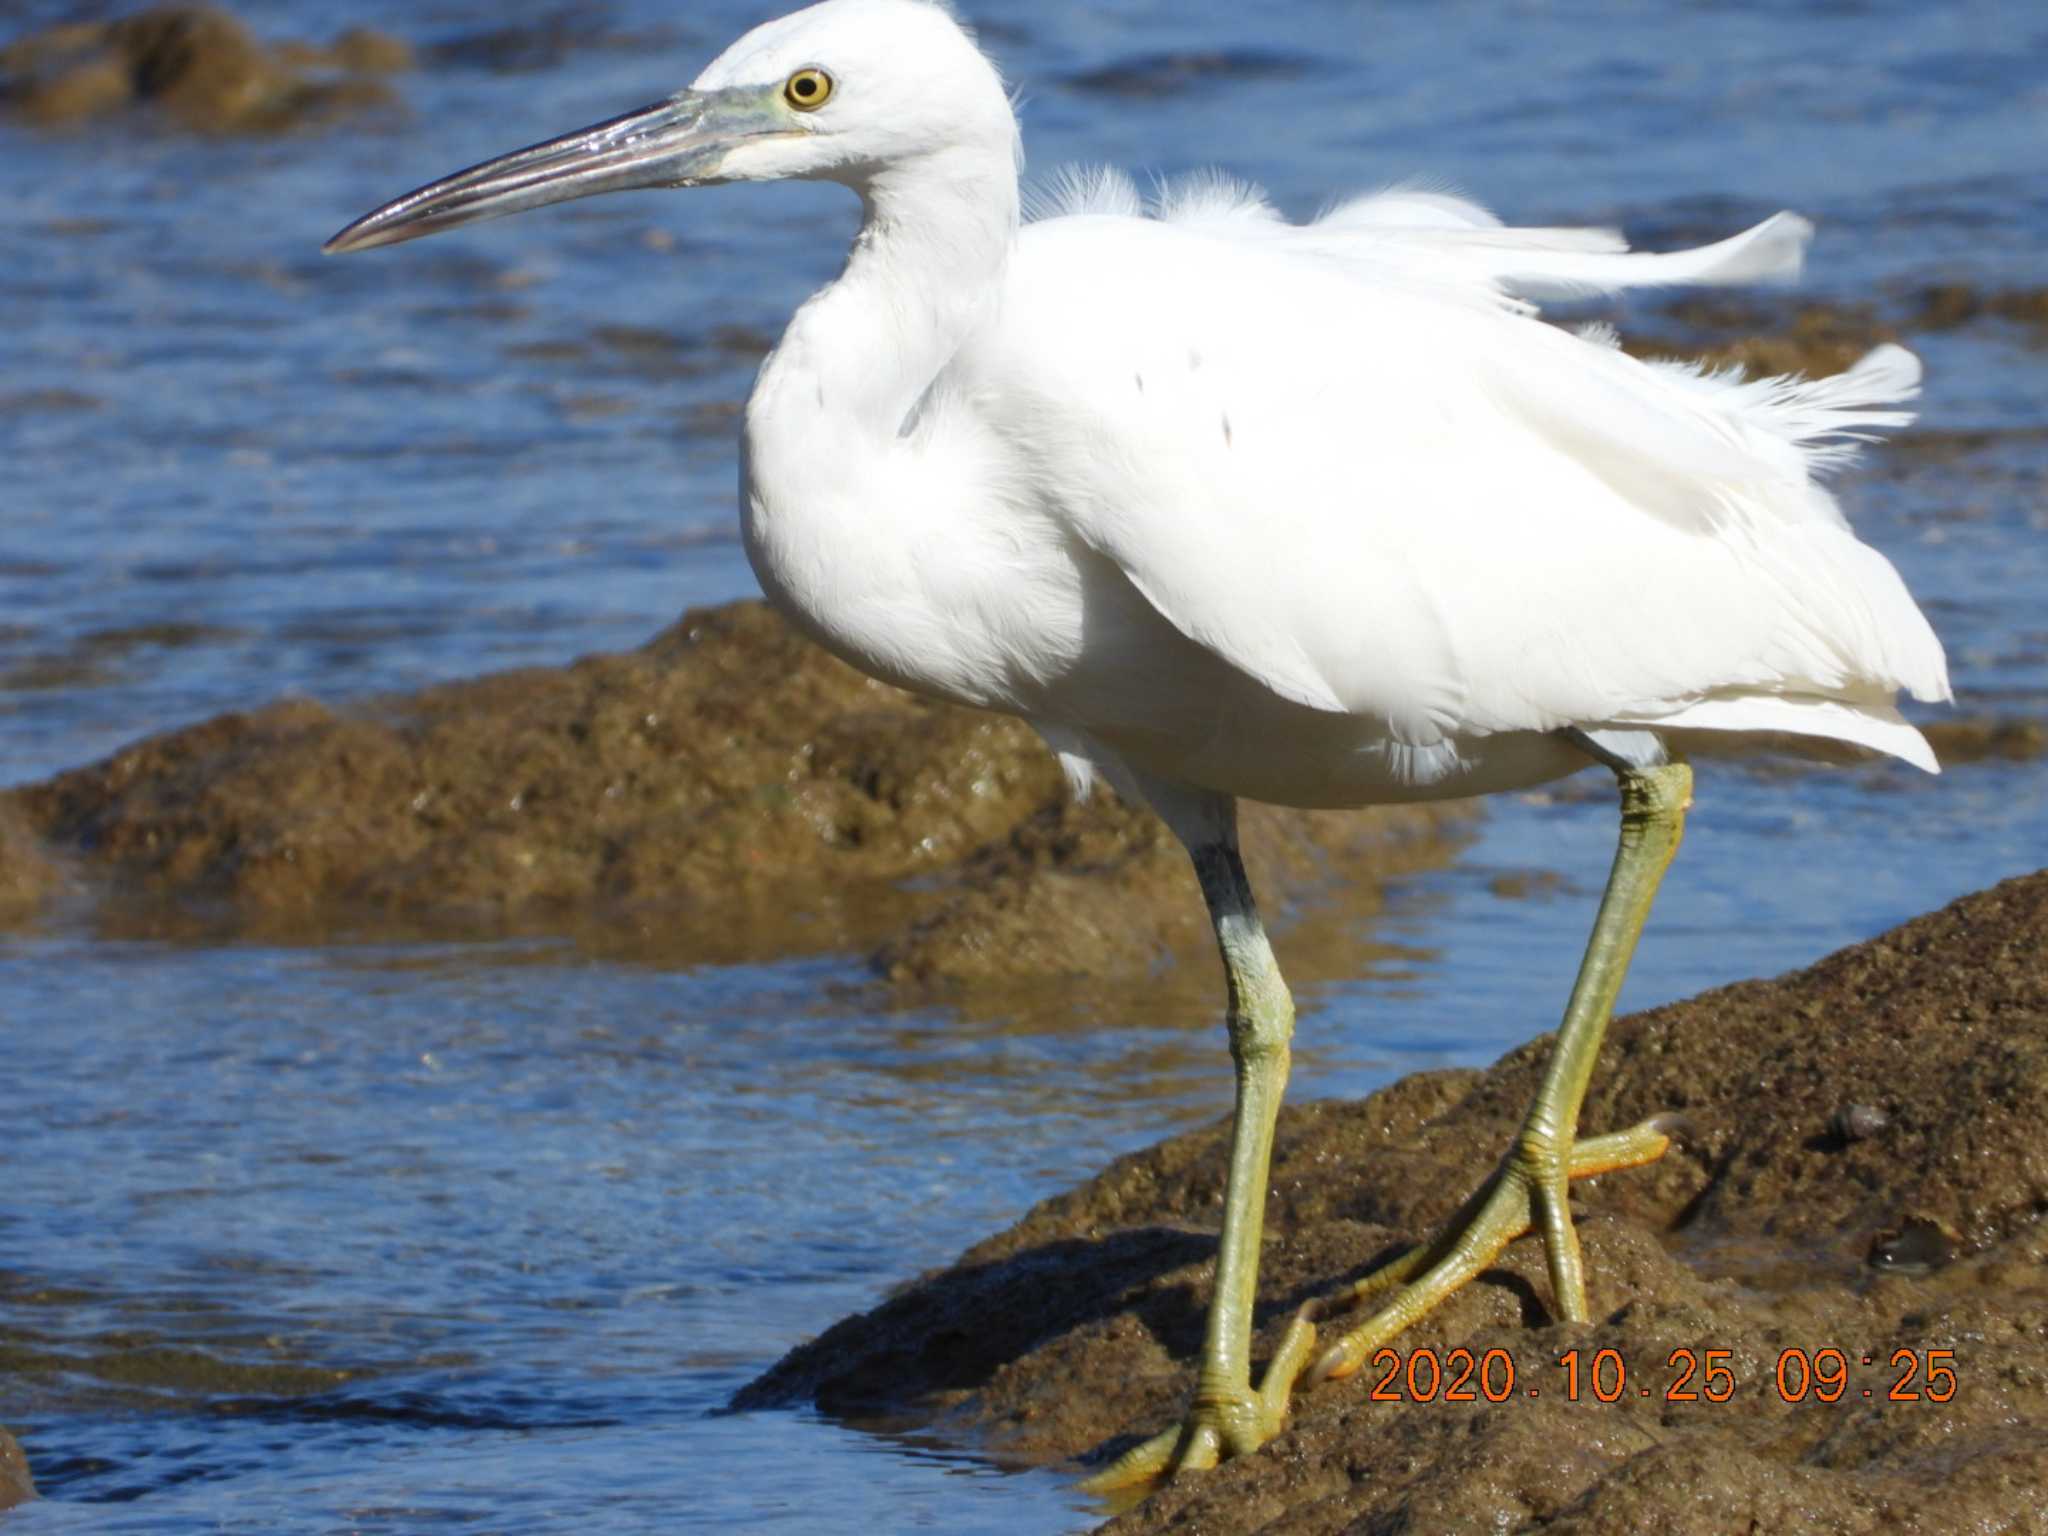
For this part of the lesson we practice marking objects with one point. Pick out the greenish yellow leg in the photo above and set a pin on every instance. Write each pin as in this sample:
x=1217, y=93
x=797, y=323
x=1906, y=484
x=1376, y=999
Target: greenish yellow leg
x=1532, y=1186
x=1227, y=1417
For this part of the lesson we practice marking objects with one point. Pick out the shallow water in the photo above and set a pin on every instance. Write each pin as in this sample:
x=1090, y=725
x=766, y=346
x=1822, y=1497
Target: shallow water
x=486, y=1234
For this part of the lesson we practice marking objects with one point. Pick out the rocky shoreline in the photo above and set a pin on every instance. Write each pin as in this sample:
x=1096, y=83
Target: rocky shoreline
x=727, y=792
x=1863, y=1174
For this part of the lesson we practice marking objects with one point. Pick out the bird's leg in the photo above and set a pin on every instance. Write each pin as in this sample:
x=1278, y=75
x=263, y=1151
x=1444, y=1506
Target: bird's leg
x=1227, y=1417
x=1530, y=1188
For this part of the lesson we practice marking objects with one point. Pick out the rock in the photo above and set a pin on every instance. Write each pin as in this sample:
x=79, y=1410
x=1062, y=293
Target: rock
x=16, y=1486
x=357, y=51
x=1812, y=340
x=1764, y=336
x=1859, y=1122
x=1075, y=1329
x=728, y=791
x=1102, y=890
x=29, y=879
x=200, y=65
x=1944, y=306
x=1986, y=738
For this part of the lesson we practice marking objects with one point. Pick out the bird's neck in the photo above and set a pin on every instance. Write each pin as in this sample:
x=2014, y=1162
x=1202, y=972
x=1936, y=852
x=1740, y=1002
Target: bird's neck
x=926, y=269
x=825, y=454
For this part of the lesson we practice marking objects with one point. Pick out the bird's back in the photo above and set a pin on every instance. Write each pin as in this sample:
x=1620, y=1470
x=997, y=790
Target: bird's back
x=1346, y=462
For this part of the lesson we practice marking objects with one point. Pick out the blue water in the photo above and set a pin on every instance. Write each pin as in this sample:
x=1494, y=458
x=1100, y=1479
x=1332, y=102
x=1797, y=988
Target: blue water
x=536, y=1215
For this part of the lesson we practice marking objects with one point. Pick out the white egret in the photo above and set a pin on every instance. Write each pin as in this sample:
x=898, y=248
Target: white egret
x=1318, y=514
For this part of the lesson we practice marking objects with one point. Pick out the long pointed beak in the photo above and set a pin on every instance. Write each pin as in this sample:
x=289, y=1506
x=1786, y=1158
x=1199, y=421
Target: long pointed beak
x=673, y=143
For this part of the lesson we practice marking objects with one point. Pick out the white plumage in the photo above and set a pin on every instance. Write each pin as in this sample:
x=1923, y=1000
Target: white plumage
x=1321, y=514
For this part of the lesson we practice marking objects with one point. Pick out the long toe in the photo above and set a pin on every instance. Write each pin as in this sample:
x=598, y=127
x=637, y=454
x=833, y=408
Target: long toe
x=1422, y=1279
x=1192, y=1446
x=1214, y=1430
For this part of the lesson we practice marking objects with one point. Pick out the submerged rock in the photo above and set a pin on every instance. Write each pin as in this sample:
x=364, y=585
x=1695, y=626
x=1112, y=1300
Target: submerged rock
x=1764, y=1239
x=728, y=791
x=201, y=66
x=1154, y=75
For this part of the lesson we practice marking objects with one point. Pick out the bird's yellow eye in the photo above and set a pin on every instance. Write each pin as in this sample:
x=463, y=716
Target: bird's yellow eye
x=808, y=89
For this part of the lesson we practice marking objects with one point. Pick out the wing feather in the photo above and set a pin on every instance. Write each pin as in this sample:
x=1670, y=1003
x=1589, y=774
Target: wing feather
x=1345, y=459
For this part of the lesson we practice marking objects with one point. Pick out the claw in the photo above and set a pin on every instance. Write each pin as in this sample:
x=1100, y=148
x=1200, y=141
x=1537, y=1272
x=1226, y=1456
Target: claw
x=1674, y=1125
x=1190, y=1447
x=1335, y=1365
x=1214, y=1430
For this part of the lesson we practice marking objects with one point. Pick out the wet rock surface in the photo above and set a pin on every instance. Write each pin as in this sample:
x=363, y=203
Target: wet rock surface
x=1915, y=1244
x=201, y=67
x=726, y=792
x=16, y=1486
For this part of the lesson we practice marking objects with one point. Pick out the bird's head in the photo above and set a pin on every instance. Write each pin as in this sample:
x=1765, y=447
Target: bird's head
x=841, y=91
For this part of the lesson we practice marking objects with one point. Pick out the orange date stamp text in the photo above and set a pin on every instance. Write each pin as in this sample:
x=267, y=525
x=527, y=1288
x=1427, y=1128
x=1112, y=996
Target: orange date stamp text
x=1826, y=1375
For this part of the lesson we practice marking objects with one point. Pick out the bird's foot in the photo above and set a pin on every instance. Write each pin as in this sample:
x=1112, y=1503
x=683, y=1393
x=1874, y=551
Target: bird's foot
x=1519, y=1196
x=1219, y=1424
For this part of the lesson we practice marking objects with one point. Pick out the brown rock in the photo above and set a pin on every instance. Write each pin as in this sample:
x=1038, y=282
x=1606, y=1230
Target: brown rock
x=29, y=880
x=358, y=51
x=1812, y=340
x=1078, y=1326
x=93, y=86
x=367, y=51
x=16, y=1486
x=1102, y=890
x=1980, y=738
x=200, y=65
x=727, y=791
x=1944, y=306
x=51, y=47
x=1816, y=339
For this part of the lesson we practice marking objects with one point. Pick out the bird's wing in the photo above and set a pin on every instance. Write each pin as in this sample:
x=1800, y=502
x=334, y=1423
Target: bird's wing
x=1425, y=235
x=1358, y=471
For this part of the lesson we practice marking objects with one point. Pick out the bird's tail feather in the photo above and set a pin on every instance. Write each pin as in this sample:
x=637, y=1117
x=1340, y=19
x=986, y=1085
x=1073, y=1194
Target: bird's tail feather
x=1825, y=419
x=1873, y=726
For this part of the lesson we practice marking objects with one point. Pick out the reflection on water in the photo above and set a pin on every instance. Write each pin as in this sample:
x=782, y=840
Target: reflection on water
x=393, y=1236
